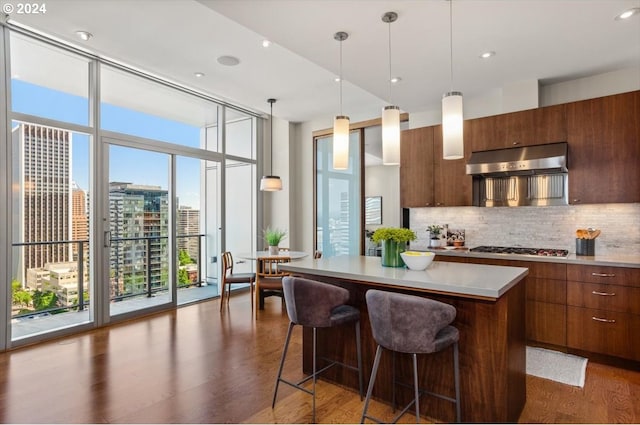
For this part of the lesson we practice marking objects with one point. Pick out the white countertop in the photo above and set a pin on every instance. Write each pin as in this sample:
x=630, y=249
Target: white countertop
x=614, y=260
x=474, y=280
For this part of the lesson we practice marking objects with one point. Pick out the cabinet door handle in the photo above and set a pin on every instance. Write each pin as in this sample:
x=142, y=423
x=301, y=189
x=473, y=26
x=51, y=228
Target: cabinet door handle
x=604, y=294
x=603, y=274
x=600, y=319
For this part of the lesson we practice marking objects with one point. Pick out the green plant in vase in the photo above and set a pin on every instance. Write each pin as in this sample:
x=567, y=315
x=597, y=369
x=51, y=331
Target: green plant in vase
x=273, y=237
x=394, y=241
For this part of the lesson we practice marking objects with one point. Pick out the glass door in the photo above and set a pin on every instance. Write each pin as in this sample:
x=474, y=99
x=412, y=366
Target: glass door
x=139, y=229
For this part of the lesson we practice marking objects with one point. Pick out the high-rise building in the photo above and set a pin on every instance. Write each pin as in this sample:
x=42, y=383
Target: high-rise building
x=44, y=202
x=139, y=216
x=79, y=221
x=189, y=225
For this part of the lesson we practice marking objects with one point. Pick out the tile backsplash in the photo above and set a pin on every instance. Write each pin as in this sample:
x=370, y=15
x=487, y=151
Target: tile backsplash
x=536, y=227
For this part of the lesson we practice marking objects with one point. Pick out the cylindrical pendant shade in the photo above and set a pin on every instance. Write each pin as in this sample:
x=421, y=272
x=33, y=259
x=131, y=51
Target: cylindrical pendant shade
x=391, y=135
x=452, y=125
x=341, y=142
x=270, y=183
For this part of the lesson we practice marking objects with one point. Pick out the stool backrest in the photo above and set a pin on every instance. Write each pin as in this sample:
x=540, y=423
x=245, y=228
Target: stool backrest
x=309, y=303
x=407, y=323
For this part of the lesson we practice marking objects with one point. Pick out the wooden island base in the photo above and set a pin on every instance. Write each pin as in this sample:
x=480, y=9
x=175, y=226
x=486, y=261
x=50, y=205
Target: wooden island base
x=492, y=356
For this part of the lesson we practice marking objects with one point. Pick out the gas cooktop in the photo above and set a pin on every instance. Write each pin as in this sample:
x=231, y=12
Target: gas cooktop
x=539, y=252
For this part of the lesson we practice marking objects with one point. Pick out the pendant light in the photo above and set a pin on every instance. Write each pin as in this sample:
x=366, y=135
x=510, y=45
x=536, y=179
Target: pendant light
x=341, y=122
x=390, y=113
x=271, y=183
x=452, y=118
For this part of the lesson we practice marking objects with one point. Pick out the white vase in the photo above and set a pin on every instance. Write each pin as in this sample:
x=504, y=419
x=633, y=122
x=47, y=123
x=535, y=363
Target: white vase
x=274, y=250
x=434, y=243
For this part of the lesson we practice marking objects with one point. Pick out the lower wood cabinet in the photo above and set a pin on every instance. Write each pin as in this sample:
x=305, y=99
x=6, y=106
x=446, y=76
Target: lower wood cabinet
x=546, y=322
x=603, y=331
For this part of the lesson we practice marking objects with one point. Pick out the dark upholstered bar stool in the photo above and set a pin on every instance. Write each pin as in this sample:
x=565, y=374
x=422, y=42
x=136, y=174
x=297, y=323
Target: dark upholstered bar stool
x=317, y=305
x=415, y=325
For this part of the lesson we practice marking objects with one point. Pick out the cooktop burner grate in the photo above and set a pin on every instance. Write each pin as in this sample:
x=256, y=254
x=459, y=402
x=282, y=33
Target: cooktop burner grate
x=541, y=252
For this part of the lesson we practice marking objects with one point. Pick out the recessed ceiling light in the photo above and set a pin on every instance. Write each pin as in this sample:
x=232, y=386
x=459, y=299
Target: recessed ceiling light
x=628, y=13
x=336, y=79
x=487, y=55
x=199, y=74
x=228, y=60
x=396, y=80
x=84, y=35
x=266, y=43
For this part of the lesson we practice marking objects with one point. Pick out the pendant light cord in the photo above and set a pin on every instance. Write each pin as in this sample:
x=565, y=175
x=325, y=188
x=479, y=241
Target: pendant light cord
x=271, y=141
x=340, y=77
x=390, y=98
x=451, y=44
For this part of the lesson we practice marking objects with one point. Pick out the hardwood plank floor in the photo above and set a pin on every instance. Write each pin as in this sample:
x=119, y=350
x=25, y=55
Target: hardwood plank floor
x=196, y=365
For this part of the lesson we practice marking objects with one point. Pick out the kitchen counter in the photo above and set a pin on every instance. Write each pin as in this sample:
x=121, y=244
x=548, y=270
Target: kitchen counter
x=468, y=280
x=490, y=315
x=617, y=260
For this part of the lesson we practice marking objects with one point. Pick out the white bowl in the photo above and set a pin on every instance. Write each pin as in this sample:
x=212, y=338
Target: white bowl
x=416, y=260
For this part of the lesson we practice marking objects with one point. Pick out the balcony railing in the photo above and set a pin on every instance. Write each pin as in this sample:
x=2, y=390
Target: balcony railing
x=148, y=265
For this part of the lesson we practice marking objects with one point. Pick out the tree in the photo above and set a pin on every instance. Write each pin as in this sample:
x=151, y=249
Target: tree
x=184, y=258
x=183, y=277
x=20, y=297
x=44, y=300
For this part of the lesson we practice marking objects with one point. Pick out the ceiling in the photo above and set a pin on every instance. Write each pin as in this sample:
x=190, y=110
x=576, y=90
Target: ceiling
x=545, y=40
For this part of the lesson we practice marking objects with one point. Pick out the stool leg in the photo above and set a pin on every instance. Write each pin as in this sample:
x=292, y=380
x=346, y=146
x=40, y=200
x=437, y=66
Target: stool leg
x=284, y=354
x=456, y=375
x=315, y=336
x=415, y=386
x=359, y=354
x=393, y=381
x=372, y=380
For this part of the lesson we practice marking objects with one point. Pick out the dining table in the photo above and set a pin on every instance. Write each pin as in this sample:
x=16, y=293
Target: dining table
x=258, y=255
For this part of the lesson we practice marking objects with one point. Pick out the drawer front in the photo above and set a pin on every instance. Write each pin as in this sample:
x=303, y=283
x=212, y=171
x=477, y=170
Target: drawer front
x=624, y=299
x=601, y=274
x=546, y=323
x=546, y=290
x=605, y=332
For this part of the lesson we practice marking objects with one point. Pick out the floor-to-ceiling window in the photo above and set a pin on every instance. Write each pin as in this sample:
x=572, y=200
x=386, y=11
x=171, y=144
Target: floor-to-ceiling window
x=116, y=196
x=338, y=199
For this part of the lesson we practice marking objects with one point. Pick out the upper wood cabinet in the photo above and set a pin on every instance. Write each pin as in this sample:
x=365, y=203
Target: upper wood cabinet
x=523, y=128
x=451, y=184
x=604, y=149
x=426, y=179
x=416, y=167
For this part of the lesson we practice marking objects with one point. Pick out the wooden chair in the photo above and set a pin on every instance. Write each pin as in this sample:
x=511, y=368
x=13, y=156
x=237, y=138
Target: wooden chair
x=269, y=278
x=229, y=277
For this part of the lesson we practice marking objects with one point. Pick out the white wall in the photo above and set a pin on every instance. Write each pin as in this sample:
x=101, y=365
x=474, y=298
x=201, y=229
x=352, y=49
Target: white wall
x=300, y=201
x=381, y=180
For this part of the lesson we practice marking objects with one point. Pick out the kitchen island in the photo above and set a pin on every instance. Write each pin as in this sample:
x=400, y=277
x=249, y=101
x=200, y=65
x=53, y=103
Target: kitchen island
x=490, y=304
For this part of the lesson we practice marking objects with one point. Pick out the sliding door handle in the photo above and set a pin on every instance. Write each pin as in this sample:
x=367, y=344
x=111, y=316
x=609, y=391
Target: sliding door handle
x=107, y=239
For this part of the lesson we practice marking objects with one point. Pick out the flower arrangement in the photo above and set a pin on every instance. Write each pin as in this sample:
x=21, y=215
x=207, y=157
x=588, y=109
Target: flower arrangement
x=434, y=230
x=399, y=235
x=273, y=236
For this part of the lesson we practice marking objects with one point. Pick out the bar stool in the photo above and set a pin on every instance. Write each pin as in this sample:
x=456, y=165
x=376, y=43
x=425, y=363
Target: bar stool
x=415, y=325
x=317, y=305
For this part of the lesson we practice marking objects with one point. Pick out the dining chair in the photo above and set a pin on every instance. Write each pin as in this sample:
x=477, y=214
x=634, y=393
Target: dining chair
x=229, y=278
x=269, y=279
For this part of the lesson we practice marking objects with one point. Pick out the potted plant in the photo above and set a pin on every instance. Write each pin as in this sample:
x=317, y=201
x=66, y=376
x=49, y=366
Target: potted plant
x=434, y=232
x=394, y=241
x=273, y=237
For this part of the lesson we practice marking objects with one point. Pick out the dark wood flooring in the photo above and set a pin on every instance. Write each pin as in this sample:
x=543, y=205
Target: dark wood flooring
x=197, y=365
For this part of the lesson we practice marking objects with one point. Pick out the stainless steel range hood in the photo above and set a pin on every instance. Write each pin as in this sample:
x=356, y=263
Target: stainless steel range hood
x=538, y=159
x=523, y=176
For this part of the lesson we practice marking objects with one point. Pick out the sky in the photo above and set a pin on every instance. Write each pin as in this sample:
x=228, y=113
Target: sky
x=126, y=164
